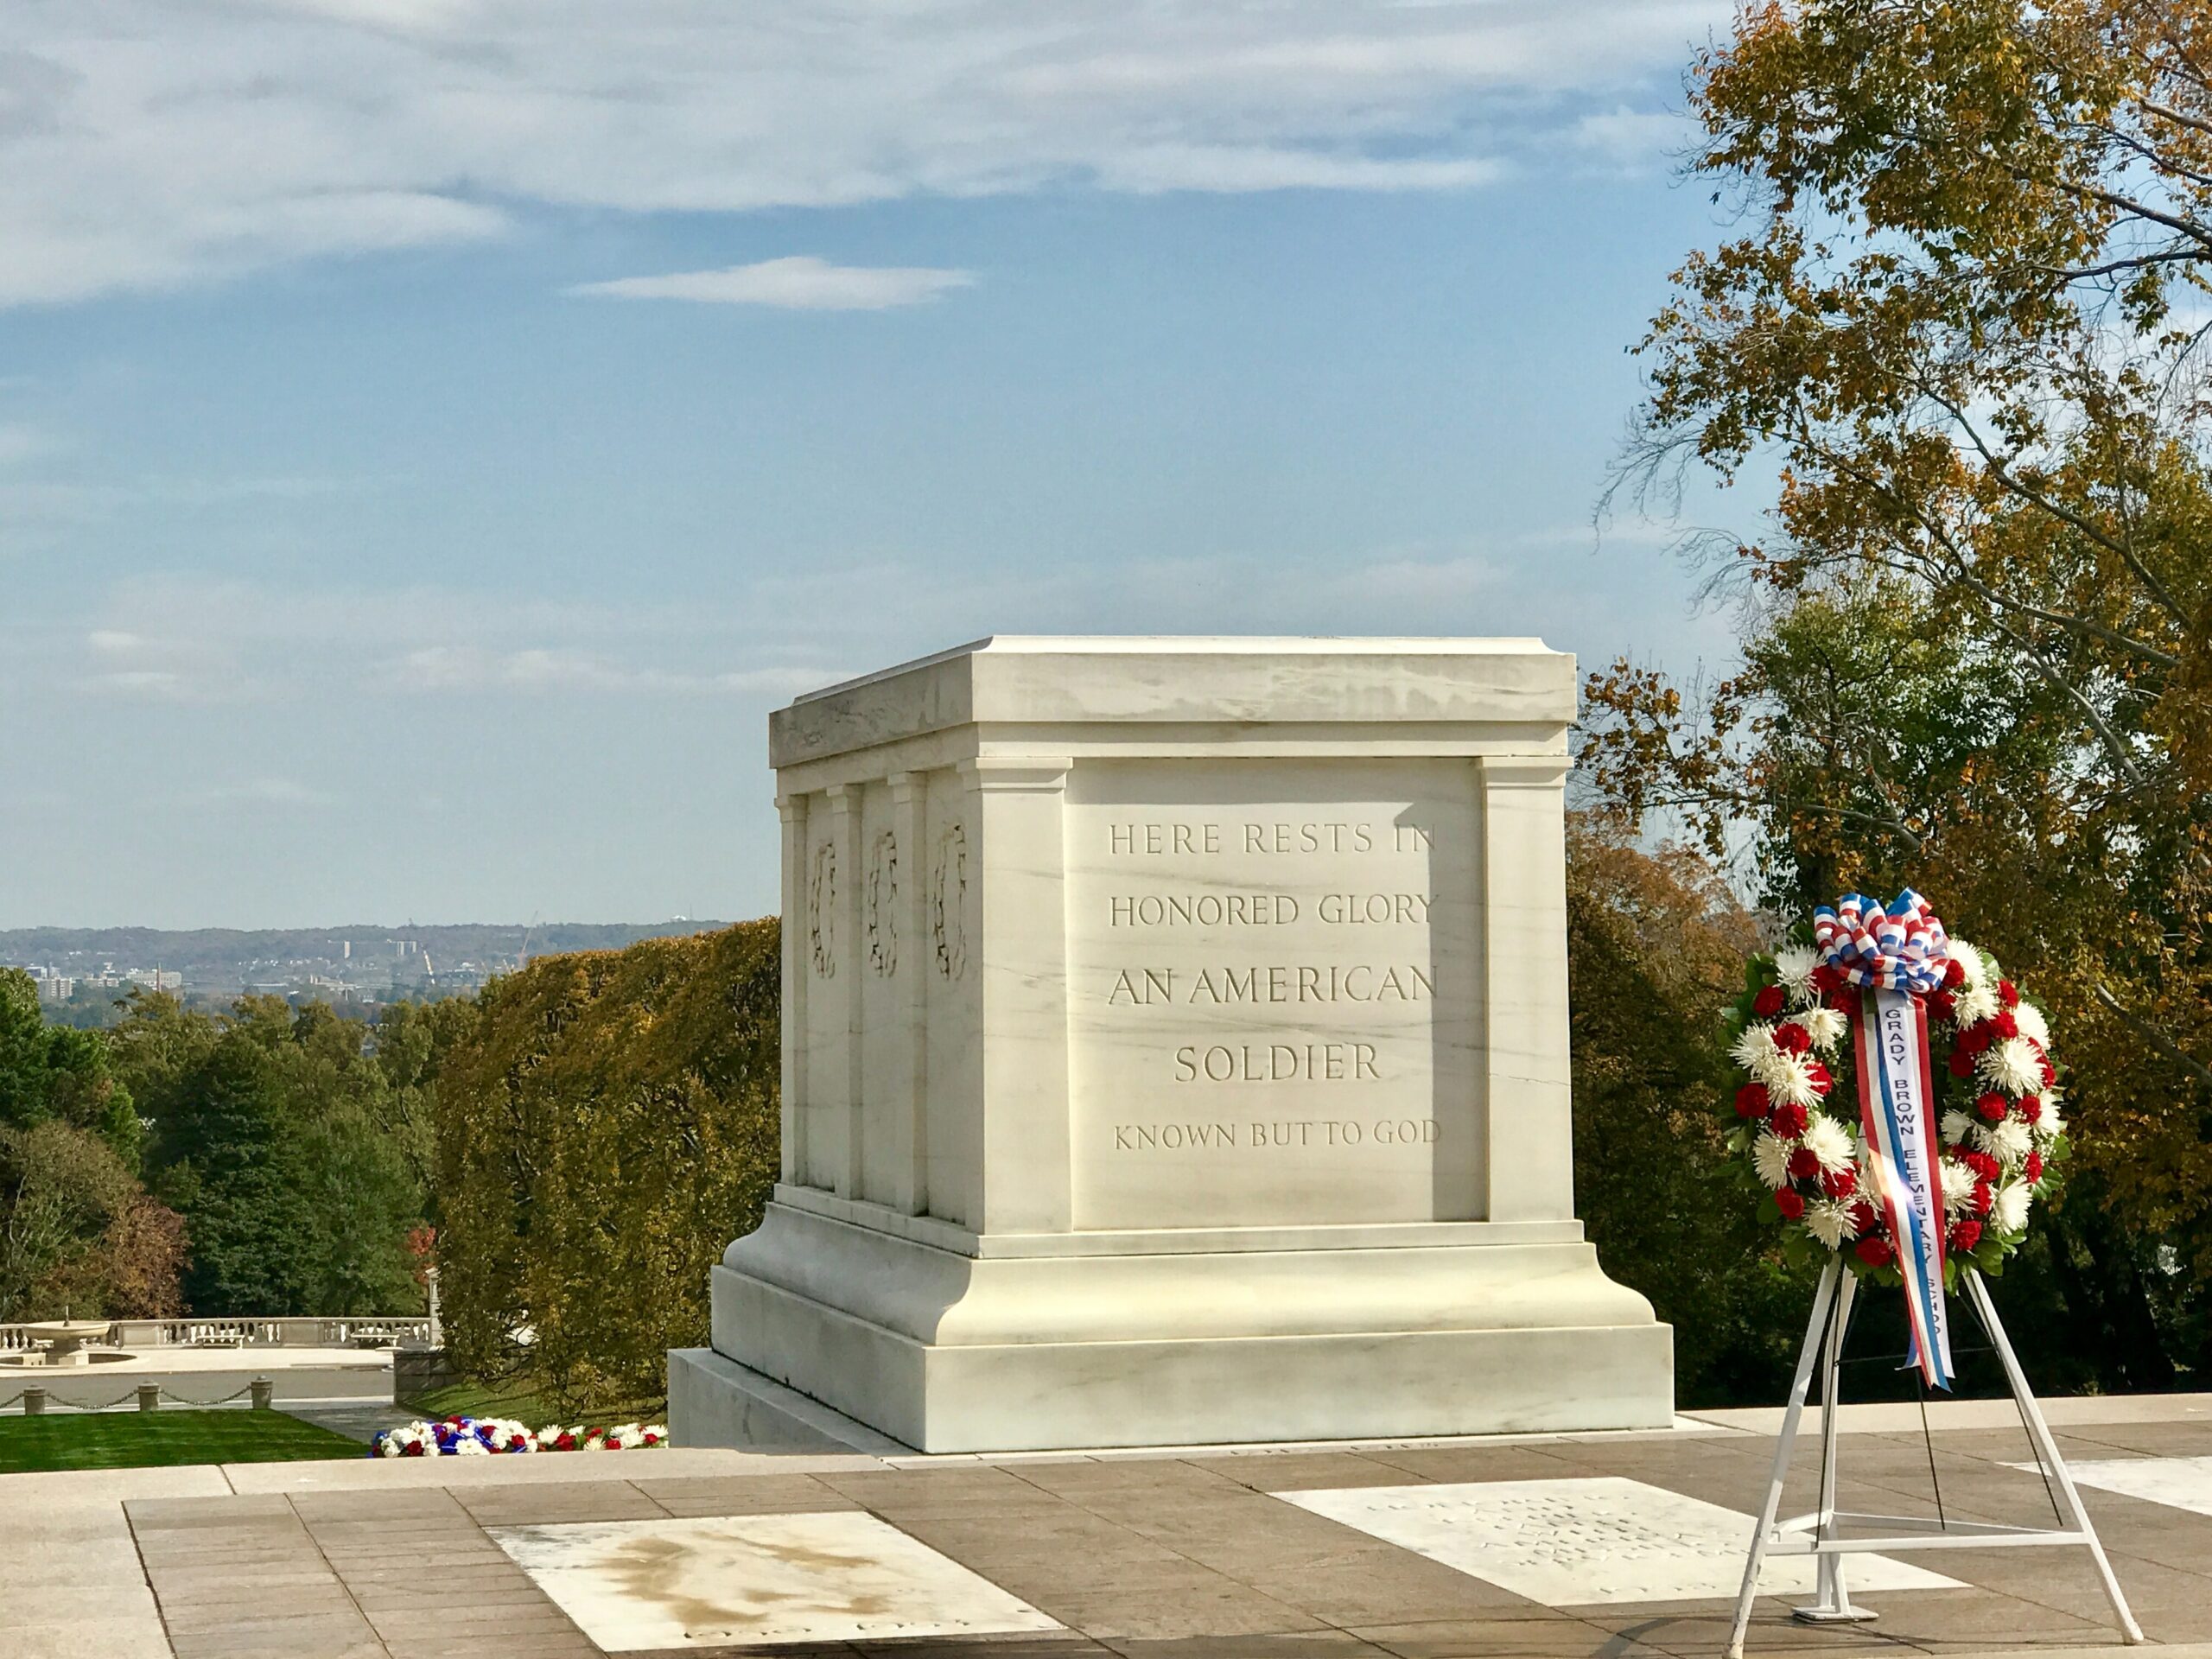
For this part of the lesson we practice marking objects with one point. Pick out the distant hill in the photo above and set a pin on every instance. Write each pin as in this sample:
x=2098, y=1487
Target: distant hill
x=366, y=960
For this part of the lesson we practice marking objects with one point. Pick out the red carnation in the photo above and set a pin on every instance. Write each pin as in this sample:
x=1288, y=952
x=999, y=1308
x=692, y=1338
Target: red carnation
x=2008, y=994
x=1769, y=1002
x=1874, y=1252
x=1863, y=1218
x=1960, y=1064
x=1753, y=1101
x=1839, y=1183
x=1792, y=1203
x=2002, y=1024
x=1984, y=1164
x=2033, y=1167
x=1992, y=1106
x=1818, y=1076
x=1955, y=974
x=1827, y=978
x=1966, y=1235
x=1974, y=1038
x=1984, y=1196
x=2043, y=1063
x=1788, y=1120
x=2032, y=1108
x=1804, y=1164
x=1792, y=1039
x=1942, y=1005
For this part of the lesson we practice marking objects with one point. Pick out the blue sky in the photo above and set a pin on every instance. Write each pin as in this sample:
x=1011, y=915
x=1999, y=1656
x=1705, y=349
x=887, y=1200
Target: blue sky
x=434, y=432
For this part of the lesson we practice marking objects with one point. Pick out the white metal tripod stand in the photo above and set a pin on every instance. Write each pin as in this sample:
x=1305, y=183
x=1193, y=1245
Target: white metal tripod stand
x=1818, y=1535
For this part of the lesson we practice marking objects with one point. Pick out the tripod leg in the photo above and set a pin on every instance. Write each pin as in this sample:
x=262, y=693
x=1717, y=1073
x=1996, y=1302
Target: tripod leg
x=1814, y=1328
x=2047, y=1449
x=1832, y=1603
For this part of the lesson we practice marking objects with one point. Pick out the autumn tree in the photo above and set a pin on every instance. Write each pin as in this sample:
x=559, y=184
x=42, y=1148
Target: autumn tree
x=77, y=1234
x=1962, y=314
x=605, y=1126
x=1655, y=943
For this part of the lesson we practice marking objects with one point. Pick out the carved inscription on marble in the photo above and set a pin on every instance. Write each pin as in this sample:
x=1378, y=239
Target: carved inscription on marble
x=882, y=905
x=1271, y=988
x=949, y=902
x=822, y=910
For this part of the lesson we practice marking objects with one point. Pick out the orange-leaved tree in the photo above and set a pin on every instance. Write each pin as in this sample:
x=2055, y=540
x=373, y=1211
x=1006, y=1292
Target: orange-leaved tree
x=1962, y=315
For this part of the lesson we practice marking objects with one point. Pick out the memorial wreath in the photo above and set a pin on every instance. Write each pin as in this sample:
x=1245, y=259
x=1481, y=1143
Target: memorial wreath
x=1956, y=1097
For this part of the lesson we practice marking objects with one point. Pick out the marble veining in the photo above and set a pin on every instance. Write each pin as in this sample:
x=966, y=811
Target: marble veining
x=757, y=1580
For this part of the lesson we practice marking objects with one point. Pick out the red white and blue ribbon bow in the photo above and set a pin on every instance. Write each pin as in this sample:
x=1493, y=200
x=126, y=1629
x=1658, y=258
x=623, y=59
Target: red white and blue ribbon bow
x=1901, y=949
x=1896, y=956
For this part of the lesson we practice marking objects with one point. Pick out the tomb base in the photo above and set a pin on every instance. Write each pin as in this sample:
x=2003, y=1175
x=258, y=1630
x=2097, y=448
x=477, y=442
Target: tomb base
x=947, y=1342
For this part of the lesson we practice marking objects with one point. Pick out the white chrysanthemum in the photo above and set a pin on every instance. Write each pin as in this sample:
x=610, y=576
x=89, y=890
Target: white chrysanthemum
x=1830, y=1142
x=1828, y=1221
x=1955, y=1126
x=2008, y=1141
x=1825, y=1027
x=2053, y=1123
x=2033, y=1026
x=1793, y=967
x=1754, y=1048
x=2013, y=1066
x=1788, y=1078
x=1972, y=1004
x=2009, y=1213
x=1958, y=1182
x=1970, y=962
x=1770, y=1158
x=467, y=1445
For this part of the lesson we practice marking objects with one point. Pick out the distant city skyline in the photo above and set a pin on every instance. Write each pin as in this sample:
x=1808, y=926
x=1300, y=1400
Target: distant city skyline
x=433, y=437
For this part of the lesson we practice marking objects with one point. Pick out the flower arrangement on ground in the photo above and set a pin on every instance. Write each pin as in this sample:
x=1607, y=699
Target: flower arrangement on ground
x=454, y=1436
x=1801, y=1032
x=477, y=1437
x=623, y=1436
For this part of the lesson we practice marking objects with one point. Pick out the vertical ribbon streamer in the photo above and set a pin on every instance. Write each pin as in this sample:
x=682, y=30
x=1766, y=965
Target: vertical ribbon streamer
x=1897, y=1104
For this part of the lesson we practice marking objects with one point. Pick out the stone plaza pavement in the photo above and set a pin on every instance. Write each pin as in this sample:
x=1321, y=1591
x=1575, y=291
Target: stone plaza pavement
x=1208, y=1554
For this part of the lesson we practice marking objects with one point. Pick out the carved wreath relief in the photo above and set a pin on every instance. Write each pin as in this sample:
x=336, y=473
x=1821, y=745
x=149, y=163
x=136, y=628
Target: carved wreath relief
x=882, y=905
x=948, y=904
x=822, y=910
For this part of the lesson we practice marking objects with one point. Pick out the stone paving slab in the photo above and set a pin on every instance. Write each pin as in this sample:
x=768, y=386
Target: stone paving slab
x=1154, y=1556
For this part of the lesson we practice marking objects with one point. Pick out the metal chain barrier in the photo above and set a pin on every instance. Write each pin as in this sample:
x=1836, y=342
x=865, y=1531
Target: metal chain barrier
x=204, y=1405
x=136, y=1393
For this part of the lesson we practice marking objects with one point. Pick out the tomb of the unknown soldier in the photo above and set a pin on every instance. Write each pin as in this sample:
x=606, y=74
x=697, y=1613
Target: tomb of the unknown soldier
x=1174, y=1053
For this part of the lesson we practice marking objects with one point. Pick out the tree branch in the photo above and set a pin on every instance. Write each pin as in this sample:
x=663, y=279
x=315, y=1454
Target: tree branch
x=2154, y=1036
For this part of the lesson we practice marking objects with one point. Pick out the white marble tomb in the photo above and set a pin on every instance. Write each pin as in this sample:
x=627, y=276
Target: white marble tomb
x=1595, y=1540
x=1175, y=1052
x=755, y=1580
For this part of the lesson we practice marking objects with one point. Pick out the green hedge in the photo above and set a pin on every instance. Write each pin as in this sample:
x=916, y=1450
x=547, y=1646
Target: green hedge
x=607, y=1127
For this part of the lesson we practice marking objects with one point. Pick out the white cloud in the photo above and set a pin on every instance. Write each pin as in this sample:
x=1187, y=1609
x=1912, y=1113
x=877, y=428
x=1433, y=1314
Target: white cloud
x=197, y=641
x=1635, y=138
x=539, y=669
x=144, y=143
x=1227, y=168
x=799, y=283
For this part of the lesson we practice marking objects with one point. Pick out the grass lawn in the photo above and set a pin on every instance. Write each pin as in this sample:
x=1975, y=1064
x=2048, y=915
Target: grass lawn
x=513, y=1400
x=137, y=1440
x=470, y=1399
